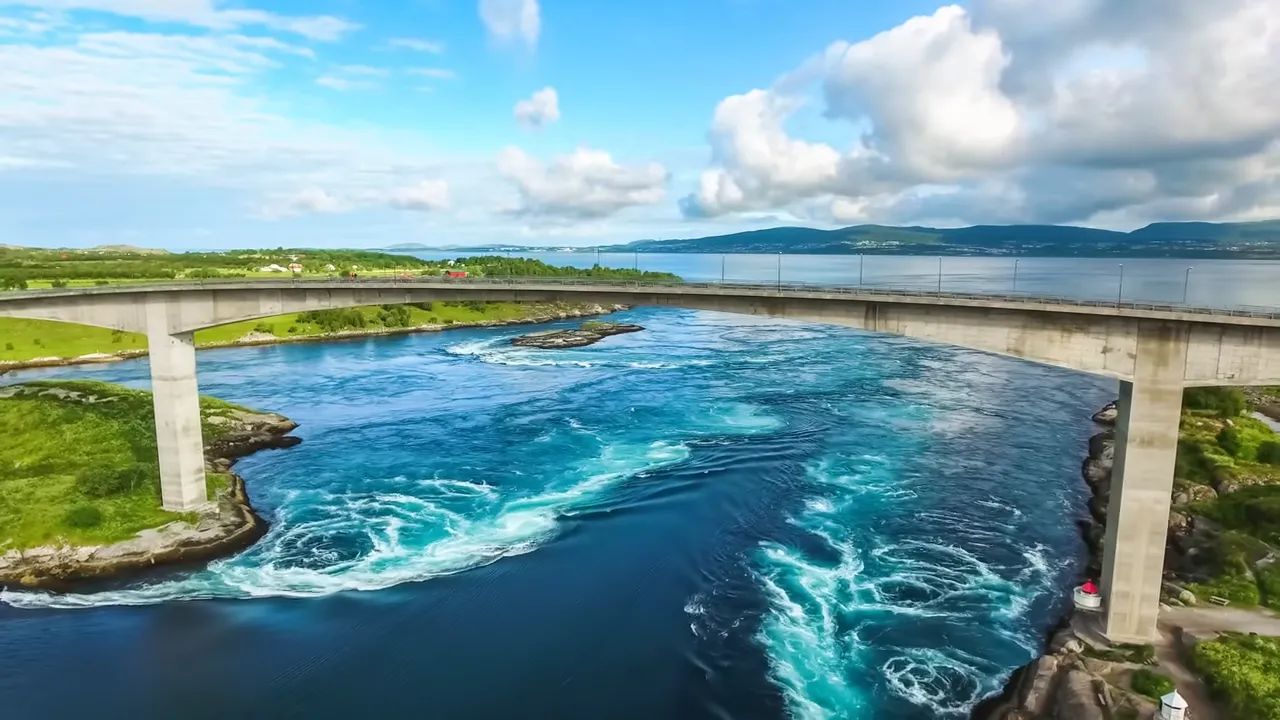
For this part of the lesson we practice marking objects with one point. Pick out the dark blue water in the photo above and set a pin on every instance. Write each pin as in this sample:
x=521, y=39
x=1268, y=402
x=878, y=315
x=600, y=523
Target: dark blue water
x=721, y=517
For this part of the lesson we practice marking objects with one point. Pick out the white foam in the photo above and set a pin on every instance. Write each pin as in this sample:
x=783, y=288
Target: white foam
x=454, y=526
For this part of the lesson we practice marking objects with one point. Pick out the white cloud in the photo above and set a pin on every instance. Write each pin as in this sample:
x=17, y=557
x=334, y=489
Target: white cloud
x=437, y=73
x=1105, y=111
x=201, y=13
x=509, y=20
x=433, y=47
x=343, y=84
x=586, y=184
x=424, y=196
x=543, y=108
x=365, y=70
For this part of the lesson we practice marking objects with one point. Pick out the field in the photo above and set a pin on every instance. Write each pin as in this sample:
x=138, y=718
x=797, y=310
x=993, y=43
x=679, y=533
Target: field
x=79, y=464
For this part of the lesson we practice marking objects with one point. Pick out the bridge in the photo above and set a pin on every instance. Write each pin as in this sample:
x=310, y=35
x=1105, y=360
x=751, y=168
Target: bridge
x=1153, y=350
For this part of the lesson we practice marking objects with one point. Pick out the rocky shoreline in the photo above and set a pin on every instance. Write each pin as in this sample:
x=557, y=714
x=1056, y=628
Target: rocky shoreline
x=229, y=524
x=255, y=339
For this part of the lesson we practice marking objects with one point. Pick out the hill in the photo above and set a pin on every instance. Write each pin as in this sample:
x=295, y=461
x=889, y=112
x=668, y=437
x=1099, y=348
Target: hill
x=1190, y=240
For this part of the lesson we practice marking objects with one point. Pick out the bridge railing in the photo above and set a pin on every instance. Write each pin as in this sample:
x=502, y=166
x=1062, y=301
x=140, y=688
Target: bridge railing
x=775, y=289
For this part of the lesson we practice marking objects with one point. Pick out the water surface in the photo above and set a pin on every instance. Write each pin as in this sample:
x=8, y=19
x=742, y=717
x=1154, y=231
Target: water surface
x=720, y=517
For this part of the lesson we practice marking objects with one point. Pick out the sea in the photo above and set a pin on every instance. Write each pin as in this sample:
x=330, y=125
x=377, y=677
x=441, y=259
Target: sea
x=719, y=517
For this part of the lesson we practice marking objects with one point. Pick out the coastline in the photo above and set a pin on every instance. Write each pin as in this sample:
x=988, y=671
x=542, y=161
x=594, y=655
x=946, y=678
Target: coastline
x=228, y=525
x=252, y=341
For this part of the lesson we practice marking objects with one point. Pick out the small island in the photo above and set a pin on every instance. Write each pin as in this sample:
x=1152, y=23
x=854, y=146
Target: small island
x=589, y=333
x=80, y=483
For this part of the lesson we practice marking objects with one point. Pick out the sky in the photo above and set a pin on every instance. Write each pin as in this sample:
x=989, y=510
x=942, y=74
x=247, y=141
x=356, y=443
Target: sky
x=213, y=124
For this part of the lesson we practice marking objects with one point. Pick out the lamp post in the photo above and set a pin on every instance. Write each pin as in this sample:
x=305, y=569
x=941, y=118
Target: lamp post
x=722, y=269
x=1015, y=274
x=1186, y=283
x=779, y=272
x=939, y=275
x=597, y=257
x=1120, y=294
x=861, y=261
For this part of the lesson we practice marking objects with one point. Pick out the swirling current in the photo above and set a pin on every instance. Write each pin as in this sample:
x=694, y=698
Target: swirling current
x=720, y=517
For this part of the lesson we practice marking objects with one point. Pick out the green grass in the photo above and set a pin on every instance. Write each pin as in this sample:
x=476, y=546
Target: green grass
x=50, y=443
x=1151, y=684
x=1244, y=671
x=29, y=339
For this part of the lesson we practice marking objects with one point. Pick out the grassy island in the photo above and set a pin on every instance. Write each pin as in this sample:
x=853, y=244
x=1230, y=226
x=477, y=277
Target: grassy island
x=78, y=464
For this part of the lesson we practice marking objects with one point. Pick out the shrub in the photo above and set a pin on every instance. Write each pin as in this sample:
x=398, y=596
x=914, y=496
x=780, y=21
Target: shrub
x=58, y=283
x=101, y=283
x=8, y=346
x=1232, y=440
x=12, y=283
x=1152, y=684
x=37, y=342
x=1225, y=402
x=83, y=517
x=265, y=328
x=116, y=336
x=1269, y=584
x=293, y=329
x=1269, y=452
x=1245, y=671
x=102, y=482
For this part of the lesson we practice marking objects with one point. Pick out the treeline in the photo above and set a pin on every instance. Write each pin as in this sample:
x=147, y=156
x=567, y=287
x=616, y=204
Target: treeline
x=499, y=266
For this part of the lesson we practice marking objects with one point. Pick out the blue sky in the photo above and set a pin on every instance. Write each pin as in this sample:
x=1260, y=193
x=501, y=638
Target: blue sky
x=208, y=124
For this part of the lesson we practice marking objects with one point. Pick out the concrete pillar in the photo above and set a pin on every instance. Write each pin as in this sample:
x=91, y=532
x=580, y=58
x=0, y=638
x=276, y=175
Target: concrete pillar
x=177, y=409
x=1150, y=409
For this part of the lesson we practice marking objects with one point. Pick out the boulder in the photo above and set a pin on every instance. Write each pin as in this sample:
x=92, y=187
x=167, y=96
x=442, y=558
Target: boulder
x=1107, y=415
x=1185, y=493
x=1077, y=698
x=589, y=334
x=1038, y=686
x=1065, y=642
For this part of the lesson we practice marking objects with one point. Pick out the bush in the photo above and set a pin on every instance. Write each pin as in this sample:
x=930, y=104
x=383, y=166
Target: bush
x=1224, y=402
x=1232, y=440
x=1244, y=671
x=265, y=328
x=293, y=329
x=103, y=482
x=83, y=517
x=8, y=346
x=1269, y=452
x=101, y=283
x=1152, y=684
x=58, y=283
x=12, y=283
x=1269, y=584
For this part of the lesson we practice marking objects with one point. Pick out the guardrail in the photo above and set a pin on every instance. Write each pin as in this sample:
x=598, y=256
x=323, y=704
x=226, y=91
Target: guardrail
x=779, y=289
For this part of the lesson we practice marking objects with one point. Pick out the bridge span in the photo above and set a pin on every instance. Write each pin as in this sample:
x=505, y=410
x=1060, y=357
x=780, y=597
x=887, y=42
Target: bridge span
x=1154, y=351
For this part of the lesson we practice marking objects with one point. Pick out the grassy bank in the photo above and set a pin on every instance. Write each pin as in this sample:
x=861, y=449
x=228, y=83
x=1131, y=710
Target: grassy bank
x=1229, y=471
x=22, y=340
x=78, y=464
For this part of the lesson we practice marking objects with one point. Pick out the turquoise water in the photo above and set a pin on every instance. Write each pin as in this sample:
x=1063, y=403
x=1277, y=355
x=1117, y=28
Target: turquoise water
x=719, y=517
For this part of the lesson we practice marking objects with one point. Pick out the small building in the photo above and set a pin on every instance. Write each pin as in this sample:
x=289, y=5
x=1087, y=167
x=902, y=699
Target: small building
x=1173, y=707
x=295, y=268
x=455, y=273
x=329, y=268
x=272, y=268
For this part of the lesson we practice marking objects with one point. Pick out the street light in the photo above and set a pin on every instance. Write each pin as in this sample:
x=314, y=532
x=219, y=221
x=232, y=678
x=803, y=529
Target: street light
x=779, y=272
x=939, y=275
x=1120, y=294
x=861, y=260
x=1015, y=274
x=636, y=266
x=1186, y=282
x=722, y=269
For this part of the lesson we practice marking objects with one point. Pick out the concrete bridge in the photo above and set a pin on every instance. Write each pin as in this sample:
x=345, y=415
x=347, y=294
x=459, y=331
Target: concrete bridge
x=1154, y=351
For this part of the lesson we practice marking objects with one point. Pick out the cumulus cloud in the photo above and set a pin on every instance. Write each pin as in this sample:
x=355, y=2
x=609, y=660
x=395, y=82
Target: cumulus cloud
x=512, y=20
x=1104, y=111
x=201, y=13
x=306, y=201
x=543, y=108
x=584, y=185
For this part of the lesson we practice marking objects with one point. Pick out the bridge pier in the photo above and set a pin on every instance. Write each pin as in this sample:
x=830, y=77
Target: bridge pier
x=1149, y=413
x=176, y=397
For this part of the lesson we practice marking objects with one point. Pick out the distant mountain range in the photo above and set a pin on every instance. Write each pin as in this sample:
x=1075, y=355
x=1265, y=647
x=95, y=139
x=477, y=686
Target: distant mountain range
x=1186, y=239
